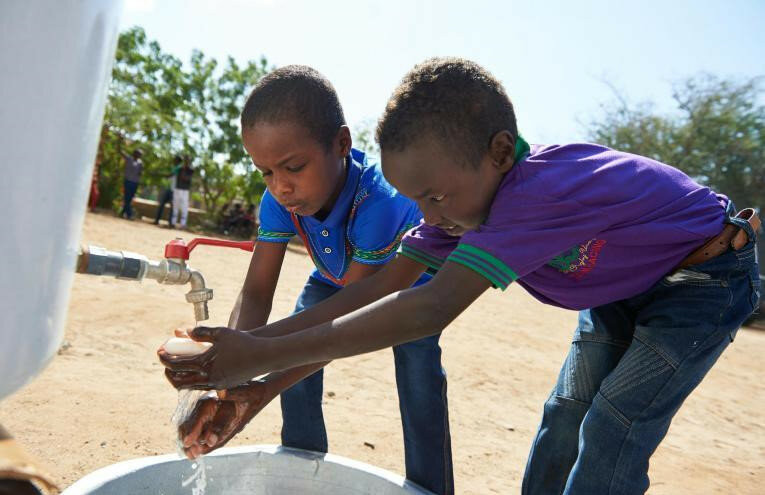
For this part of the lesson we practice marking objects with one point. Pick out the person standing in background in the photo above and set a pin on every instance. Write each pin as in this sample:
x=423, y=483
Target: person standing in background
x=181, y=192
x=167, y=193
x=95, y=192
x=133, y=170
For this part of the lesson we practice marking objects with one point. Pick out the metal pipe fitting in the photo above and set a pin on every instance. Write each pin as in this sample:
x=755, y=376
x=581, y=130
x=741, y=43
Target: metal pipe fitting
x=125, y=265
x=95, y=260
x=199, y=295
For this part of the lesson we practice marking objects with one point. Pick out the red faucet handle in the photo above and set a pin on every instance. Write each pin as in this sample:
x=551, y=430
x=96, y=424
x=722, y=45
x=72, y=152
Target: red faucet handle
x=177, y=248
x=243, y=245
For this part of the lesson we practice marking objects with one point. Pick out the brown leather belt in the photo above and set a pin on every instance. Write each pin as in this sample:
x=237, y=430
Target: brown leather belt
x=731, y=236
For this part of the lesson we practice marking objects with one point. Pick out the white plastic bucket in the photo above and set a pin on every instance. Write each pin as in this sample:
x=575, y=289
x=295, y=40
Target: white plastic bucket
x=252, y=470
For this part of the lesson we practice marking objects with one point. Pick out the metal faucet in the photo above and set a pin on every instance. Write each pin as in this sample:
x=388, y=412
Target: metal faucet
x=172, y=270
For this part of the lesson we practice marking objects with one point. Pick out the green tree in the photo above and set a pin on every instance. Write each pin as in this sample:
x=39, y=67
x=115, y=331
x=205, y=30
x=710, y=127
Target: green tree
x=364, y=137
x=146, y=91
x=717, y=134
x=212, y=119
x=165, y=108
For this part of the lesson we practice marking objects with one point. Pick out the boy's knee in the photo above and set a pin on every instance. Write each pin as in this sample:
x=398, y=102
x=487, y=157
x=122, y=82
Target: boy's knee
x=557, y=404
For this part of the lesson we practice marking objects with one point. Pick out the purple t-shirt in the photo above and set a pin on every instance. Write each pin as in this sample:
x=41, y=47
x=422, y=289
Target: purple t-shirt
x=581, y=225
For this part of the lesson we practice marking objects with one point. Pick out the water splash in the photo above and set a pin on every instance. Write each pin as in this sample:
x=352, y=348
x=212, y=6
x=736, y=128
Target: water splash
x=187, y=400
x=199, y=477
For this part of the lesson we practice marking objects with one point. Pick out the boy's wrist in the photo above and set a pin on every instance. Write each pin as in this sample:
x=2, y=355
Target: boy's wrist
x=270, y=385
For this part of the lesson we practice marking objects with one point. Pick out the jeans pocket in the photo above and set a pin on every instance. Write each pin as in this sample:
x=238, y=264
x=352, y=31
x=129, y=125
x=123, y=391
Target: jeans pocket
x=747, y=254
x=756, y=291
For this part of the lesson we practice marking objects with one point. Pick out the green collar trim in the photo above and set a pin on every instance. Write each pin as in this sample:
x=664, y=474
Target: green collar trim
x=522, y=149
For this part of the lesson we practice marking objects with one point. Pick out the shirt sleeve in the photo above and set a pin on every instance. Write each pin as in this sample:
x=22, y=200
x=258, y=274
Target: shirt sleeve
x=275, y=222
x=379, y=220
x=428, y=245
x=525, y=232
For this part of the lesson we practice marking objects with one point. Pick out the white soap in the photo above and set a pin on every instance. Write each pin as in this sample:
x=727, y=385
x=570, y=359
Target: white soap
x=185, y=347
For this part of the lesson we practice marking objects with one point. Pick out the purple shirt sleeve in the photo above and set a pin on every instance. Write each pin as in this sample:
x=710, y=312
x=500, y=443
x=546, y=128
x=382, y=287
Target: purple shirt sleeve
x=428, y=245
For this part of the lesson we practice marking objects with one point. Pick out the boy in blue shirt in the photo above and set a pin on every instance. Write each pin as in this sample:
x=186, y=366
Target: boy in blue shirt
x=351, y=222
x=662, y=270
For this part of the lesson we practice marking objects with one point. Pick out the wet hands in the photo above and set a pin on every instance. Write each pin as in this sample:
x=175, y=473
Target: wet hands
x=217, y=419
x=235, y=358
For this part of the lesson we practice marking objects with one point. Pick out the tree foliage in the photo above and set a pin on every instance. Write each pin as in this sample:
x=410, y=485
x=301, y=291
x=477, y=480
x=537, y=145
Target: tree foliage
x=364, y=137
x=717, y=135
x=166, y=108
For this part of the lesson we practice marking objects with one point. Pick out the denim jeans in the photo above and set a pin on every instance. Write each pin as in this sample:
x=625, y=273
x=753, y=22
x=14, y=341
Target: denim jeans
x=167, y=197
x=130, y=188
x=631, y=365
x=421, y=383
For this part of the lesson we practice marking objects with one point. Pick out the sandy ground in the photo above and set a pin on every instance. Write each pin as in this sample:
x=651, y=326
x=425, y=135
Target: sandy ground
x=104, y=398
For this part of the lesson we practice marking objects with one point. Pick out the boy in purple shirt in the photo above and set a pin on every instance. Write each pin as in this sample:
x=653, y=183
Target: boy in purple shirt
x=579, y=225
x=662, y=269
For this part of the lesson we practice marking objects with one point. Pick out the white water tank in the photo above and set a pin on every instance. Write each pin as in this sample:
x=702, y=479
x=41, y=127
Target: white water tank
x=56, y=57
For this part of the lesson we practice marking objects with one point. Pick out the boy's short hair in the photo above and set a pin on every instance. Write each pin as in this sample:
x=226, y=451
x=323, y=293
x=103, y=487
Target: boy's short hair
x=299, y=94
x=452, y=99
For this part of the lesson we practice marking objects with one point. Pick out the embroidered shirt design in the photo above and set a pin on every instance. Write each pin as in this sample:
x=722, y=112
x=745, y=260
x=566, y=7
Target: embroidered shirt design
x=578, y=261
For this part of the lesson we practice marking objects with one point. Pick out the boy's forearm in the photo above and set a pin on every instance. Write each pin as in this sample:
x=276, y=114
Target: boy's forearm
x=344, y=302
x=396, y=319
x=279, y=381
x=249, y=312
x=339, y=304
x=351, y=298
x=361, y=293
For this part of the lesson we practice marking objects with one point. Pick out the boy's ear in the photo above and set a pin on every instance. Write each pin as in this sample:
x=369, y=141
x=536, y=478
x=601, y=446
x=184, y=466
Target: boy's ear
x=343, y=141
x=502, y=151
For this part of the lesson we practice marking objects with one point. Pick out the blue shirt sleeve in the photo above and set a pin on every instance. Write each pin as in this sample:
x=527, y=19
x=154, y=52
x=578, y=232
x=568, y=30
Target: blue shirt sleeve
x=379, y=219
x=275, y=222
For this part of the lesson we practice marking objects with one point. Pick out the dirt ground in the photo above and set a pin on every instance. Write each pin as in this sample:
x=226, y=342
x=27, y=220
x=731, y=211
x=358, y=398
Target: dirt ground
x=104, y=398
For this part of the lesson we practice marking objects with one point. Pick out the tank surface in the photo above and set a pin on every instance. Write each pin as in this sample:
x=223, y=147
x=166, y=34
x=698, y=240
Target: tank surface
x=56, y=59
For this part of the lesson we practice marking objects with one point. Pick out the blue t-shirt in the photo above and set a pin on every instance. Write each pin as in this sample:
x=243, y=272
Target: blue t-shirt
x=365, y=225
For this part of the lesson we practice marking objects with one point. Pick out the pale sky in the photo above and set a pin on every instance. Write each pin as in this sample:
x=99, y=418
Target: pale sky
x=552, y=56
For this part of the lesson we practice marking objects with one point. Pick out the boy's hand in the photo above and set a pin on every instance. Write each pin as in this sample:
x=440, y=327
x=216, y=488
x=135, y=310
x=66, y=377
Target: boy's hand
x=234, y=359
x=215, y=420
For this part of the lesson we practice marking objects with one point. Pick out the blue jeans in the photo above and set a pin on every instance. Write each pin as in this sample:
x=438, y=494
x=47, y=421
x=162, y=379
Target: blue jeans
x=167, y=197
x=421, y=383
x=631, y=365
x=130, y=190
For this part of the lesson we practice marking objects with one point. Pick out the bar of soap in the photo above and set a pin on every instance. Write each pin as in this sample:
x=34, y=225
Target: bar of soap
x=185, y=347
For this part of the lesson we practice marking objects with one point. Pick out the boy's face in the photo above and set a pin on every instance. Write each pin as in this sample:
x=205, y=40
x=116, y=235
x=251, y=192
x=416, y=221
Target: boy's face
x=302, y=174
x=451, y=195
